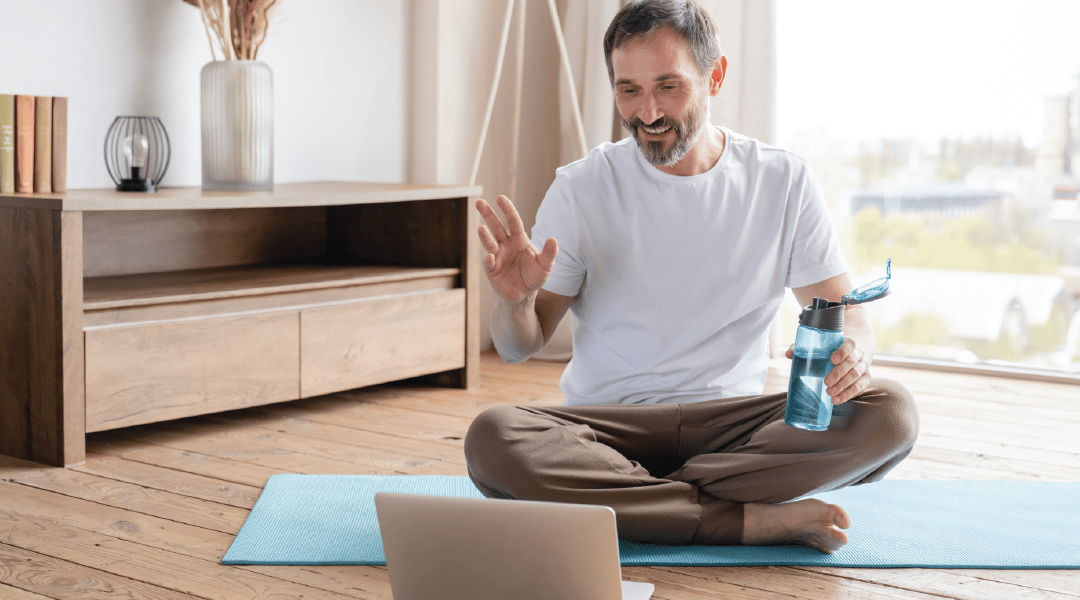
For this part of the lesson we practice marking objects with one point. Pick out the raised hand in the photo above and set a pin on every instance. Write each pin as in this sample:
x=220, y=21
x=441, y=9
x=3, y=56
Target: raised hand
x=514, y=267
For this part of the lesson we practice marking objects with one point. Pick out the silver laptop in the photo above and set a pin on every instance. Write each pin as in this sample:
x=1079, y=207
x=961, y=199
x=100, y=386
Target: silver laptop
x=440, y=548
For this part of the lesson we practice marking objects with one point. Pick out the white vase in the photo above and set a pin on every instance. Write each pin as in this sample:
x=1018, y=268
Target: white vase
x=237, y=126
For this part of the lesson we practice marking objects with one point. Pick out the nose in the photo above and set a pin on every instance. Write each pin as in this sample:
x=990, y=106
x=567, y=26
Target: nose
x=650, y=109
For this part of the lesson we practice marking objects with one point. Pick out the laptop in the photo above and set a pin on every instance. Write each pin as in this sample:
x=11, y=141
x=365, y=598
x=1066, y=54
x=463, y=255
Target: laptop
x=442, y=548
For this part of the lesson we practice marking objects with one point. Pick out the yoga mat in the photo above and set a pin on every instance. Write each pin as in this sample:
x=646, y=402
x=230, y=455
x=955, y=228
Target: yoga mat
x=330, y=520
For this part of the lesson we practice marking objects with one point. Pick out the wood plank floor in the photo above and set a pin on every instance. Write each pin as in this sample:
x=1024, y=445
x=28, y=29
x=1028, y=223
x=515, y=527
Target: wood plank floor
x=155, y=507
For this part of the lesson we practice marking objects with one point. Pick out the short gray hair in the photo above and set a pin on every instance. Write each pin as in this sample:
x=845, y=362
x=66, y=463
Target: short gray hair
x=685, y=17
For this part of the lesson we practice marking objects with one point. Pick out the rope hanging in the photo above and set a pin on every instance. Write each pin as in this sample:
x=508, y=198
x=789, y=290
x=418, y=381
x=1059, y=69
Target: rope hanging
x=566, y=68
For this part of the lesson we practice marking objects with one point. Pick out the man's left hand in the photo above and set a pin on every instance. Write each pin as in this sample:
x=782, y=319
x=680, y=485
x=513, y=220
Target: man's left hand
x=851, y=371
x=851, y=361
x=850, y=375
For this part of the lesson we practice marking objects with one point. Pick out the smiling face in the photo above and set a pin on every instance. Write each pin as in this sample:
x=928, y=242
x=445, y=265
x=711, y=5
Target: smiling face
x=661, y=95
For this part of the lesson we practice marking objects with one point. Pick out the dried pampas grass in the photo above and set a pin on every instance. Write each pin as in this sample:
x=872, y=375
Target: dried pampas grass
x=239, y=26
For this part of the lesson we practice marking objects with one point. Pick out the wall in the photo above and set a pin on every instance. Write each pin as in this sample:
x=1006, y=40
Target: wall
x=340, y=80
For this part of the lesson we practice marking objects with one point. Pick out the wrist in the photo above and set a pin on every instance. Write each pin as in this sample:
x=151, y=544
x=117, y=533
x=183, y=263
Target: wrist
x=515, y=329
x=525, y=306
x=857, y=326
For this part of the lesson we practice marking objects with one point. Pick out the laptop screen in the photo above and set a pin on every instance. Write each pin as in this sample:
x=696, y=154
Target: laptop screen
x=481, y=549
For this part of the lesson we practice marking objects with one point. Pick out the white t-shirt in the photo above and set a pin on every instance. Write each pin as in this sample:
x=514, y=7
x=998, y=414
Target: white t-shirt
x=677, y=279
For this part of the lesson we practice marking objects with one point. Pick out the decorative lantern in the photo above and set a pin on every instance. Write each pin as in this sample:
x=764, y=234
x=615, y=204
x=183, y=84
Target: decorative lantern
x=137, y=153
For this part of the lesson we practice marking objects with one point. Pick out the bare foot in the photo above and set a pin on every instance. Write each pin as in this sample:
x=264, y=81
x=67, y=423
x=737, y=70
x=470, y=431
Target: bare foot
x=810, y=522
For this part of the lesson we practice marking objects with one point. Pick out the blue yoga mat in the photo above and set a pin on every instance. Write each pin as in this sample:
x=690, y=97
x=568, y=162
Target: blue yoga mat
x=330, y=520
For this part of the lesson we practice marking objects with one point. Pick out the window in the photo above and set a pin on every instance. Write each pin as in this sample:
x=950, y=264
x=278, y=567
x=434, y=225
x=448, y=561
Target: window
x=946, y=136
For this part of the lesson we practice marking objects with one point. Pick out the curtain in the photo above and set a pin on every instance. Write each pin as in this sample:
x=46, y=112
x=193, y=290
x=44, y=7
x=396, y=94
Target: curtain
x=584, y=23
x=746, y=103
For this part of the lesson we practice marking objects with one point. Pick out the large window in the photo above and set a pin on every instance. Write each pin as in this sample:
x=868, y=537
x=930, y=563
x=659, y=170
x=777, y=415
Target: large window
x=945, y=135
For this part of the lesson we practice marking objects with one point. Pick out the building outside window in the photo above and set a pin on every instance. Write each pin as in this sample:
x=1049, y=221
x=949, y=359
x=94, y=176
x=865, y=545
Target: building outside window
x=946, y=136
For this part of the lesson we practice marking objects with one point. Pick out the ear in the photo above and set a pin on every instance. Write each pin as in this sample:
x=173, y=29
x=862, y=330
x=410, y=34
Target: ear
x=717, y=78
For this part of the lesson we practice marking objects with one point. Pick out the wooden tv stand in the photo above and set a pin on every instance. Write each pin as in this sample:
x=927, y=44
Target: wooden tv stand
x=118, y=309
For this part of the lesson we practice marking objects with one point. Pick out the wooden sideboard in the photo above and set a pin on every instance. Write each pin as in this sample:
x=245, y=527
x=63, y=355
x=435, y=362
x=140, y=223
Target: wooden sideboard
x=118, y=309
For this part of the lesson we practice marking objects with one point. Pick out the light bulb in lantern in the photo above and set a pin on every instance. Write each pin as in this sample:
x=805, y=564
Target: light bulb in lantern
x=137, y=150
x=136, y=153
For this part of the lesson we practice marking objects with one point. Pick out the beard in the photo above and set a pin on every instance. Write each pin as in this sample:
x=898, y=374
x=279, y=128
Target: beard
x=686, y=135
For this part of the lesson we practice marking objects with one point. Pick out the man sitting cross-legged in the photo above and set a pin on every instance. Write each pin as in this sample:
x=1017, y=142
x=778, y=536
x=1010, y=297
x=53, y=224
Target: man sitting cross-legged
x=673, y=249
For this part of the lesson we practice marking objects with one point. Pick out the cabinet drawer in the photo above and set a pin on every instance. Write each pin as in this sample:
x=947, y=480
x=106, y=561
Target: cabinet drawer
x=375, y=341
x=160, y=371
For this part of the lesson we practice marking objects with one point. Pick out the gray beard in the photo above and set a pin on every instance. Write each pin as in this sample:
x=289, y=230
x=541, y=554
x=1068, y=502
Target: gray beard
x=686, y=136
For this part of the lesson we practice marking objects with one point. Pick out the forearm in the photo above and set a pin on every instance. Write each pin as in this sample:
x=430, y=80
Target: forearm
x=857, y=326
x=516, y=330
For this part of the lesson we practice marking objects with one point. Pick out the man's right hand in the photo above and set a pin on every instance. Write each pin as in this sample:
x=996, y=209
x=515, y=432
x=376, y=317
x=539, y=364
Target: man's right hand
x=513, y=266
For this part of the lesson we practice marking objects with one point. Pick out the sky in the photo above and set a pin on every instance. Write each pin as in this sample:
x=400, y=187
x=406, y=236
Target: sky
x=923, y=68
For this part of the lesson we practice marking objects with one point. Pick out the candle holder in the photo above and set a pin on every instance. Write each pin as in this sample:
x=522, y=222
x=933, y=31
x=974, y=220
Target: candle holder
x=137, y=153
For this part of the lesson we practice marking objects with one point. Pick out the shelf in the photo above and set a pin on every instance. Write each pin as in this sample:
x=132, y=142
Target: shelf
x=151, y=289
x=321, y=193
x=128, y=308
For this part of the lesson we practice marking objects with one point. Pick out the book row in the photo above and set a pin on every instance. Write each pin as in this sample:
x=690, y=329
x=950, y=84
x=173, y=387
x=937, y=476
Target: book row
x=33, y=144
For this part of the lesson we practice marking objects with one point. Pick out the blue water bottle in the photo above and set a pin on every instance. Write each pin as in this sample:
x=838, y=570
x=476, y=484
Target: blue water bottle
x=820, y=333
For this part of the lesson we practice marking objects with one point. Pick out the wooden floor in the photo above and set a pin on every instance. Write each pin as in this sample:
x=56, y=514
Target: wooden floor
x=154, y=508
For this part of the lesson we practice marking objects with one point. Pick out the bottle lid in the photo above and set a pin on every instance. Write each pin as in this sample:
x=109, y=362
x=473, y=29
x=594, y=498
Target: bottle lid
x=822, y=314
x=879, y=288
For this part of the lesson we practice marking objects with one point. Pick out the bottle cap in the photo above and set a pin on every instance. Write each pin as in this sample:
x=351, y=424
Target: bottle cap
x=822, y=314
x=876, y=289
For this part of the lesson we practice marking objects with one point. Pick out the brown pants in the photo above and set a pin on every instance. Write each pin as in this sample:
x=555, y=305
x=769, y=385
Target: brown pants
x=680, y=473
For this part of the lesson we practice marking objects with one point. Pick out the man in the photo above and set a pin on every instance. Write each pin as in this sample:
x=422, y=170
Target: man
x=673, y=248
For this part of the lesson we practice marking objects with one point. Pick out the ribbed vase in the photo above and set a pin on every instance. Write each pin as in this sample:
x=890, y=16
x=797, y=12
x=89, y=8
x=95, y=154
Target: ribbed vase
x=237, y=126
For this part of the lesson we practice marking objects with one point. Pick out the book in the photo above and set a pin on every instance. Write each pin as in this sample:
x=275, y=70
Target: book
x=24, y=144
x=43, y=144
x=59, y=144
x=7, y=144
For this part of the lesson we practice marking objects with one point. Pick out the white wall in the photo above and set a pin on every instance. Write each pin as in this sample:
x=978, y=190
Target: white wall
x=340, y=81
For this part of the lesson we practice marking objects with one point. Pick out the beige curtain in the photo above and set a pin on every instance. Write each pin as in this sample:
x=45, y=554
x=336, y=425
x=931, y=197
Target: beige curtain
x=584, y=23
x=746, y=103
